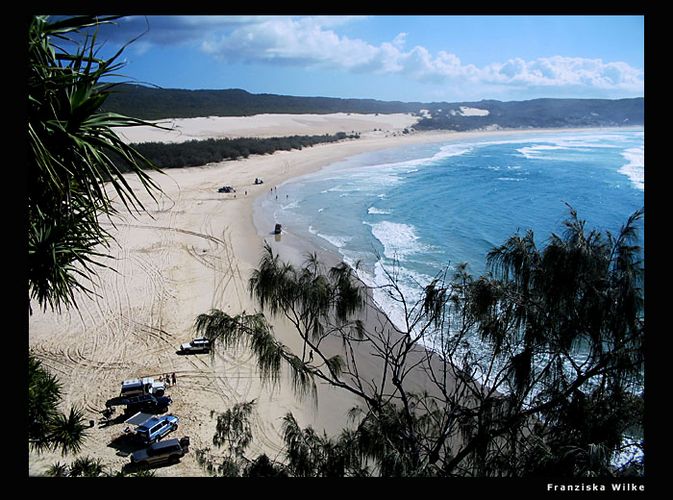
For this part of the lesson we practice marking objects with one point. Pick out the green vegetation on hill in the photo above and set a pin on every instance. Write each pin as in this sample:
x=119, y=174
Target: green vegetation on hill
x=194, y=153
x=539, y=113
x=155, y=103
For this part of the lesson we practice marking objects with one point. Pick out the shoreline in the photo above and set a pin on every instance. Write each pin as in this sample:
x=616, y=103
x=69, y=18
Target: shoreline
x=193, y=251
x=369, y=145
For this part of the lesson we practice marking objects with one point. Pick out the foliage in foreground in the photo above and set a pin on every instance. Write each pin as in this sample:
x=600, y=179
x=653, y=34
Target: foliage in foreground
x=48, y=428
x=72, y=180
x=90, y=467
x=535, y=368
x=233, y=432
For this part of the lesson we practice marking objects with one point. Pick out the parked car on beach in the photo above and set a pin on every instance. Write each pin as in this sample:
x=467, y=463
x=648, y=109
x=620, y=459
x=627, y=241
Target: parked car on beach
x=151, y=404
x=168, y=451
x=142, y=402
x=200, y=344
x=155, y=428
x=140, y=386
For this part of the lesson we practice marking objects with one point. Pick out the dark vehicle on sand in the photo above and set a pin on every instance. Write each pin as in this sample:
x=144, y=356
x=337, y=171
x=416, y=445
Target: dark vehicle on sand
x=169, y=451
x=142, y=402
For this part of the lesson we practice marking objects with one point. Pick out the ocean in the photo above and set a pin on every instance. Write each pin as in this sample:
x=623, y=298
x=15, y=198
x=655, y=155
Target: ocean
x=418, y=209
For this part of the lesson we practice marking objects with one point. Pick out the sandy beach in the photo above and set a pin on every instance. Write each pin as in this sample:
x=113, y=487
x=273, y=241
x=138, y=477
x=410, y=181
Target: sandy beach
x=193, y=250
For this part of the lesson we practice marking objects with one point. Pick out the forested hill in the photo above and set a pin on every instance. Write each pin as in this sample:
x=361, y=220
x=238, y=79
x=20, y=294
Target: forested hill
x=537, y=113
x=154, y=103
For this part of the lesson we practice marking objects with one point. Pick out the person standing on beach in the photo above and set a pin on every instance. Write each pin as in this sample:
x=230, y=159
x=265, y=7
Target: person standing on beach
x=174, y=379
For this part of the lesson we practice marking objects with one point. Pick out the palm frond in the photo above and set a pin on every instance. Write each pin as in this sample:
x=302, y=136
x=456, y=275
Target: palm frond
x=58, y=470
x=86, y=467
x=67, y=432
x=72, y=167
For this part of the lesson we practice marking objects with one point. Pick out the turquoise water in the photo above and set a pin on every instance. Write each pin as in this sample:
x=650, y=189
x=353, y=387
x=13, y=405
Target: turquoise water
x=417, y=209
x=420, y=208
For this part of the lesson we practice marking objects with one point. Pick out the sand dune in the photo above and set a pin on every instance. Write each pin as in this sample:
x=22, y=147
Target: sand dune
x=267, y=125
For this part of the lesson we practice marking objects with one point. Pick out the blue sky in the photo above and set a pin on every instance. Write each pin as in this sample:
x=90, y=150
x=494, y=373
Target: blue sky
x=407, y=58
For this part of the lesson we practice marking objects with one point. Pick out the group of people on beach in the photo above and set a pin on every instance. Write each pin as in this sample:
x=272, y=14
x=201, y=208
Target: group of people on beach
x=168, y=379
x=275, y=190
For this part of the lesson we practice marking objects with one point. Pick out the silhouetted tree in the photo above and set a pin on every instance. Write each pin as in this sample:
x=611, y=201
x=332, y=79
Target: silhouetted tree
x=532, y=369
x=263, y=467
x=48, y=428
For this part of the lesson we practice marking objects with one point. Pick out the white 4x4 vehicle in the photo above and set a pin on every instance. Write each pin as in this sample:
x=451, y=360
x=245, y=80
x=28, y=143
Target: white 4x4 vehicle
x=196, y=345
x=139, y=386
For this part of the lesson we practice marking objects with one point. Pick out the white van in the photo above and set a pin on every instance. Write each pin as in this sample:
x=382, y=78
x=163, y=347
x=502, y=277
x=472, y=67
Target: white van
x=138, y=386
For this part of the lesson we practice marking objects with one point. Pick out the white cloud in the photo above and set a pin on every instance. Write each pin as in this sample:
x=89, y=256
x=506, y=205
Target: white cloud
x=290, y=40
x=559, y=71
x=311, y=41
x=399, y=41
x=314, y=41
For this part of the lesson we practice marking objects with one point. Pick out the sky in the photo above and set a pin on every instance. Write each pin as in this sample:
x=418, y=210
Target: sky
x=405, y=58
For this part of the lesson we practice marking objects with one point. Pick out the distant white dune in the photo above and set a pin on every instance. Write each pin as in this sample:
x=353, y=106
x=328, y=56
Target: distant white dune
x=267, y=125
x=465, y=111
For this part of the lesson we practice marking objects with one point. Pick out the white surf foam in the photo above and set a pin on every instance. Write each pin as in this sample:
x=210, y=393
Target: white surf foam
x=452, y=150
x=377, y=211
x=538, y=151
x=635, y=168
x=337, y=241
x=398, y=240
